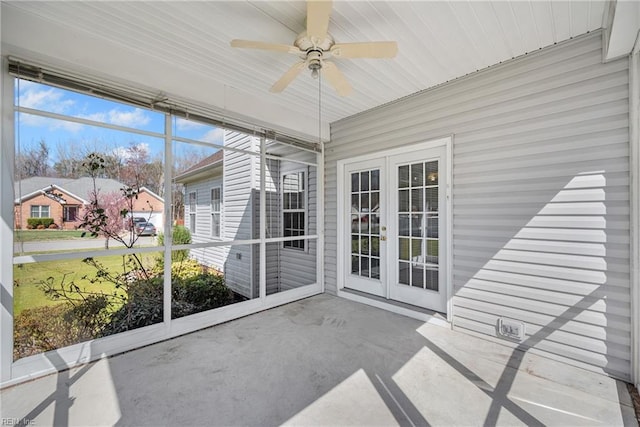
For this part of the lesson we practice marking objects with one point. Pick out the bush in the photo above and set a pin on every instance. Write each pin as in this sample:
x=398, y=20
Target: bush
x=143, y=307
x=203, y=292
x=181, y=236
x=191, y=293
x=45, y=328
x=38, y=222
x=186, y=269
x=53, y=227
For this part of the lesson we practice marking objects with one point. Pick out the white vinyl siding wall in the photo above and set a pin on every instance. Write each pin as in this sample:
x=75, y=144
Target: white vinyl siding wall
x=540, y=196
x=298, y=267
x=237, y=186
x=214, y=257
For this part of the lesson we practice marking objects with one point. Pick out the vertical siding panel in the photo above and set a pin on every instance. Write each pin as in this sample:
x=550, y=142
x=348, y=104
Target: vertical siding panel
x=540, y=196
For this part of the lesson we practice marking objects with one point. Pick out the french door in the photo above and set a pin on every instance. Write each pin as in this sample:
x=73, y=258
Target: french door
x=395, y=227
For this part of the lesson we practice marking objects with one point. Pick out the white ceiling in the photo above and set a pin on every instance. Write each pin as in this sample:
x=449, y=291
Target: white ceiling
x=184, y=46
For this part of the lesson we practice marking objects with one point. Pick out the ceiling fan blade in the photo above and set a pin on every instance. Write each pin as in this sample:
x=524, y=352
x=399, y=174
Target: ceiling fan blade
x=249, y=44
x=318, y=13
x=288, y=77
x=336, y=78
x=365, y=50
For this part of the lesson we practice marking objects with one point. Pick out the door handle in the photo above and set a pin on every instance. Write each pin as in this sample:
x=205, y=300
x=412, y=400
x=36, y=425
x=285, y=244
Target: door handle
x=383, y=238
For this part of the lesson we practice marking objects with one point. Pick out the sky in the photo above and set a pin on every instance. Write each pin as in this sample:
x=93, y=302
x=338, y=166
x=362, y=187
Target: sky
x=72, y=136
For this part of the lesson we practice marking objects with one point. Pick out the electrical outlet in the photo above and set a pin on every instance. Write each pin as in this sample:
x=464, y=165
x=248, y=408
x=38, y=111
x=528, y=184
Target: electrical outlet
x=510, y=328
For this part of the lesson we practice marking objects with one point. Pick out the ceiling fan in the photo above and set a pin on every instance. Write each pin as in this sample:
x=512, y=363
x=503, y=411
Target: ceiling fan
x=315, y=45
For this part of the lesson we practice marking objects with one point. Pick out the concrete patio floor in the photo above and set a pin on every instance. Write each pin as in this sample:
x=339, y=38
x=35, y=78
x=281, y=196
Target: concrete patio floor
x=322, y=361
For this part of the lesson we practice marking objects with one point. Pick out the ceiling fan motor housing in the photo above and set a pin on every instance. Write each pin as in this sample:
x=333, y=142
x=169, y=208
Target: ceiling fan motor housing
x=305, y=43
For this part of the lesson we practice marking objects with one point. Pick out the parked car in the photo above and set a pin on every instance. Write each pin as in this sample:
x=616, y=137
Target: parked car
x=133, y=222
x=145, y=229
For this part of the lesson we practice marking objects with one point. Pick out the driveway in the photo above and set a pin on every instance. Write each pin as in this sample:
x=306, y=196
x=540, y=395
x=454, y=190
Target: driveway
x=75, y=244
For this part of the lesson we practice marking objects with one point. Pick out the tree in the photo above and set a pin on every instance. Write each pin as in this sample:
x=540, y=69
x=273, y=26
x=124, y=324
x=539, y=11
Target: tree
x=114, y=204
x=107, y=213
x=33, y=162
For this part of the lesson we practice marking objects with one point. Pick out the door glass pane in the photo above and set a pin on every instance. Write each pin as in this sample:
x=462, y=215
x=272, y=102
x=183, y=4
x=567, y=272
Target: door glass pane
x=416, y=200
x=375, y=268
x=432, y=227
x=403, y=245
x=417, y=176
x=355, y=182
x=364, y=224
x=364, y=181
x=431, y=173
x=432, y=199
x=418, y=225
x=355, y=264
x=375, y=180
x=403, y=201
x=355, y=244
x=375, y=224
x=403, y=225
x=375, y=246
x=417, y=276
x=404, y=273
x=403, y=176
x=375, y=201
x=364, y=266
x=364, y=202
x=432, y=279
x=364, y=246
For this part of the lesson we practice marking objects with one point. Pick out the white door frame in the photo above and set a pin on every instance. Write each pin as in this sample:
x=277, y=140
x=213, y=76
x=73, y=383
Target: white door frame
x=447, y=271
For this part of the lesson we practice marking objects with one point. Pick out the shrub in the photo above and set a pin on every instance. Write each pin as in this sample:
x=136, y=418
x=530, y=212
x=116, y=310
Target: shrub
x=186, y=269
x=37, y=222
x=45, y=328
x=53, y=226
x=203, y=292
x=142, y=308
x=180, y=236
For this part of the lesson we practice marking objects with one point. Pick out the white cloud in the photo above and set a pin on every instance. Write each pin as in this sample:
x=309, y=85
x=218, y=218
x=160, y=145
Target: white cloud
x=215, y=136
x=184, y=124
x=38, y=97
x=50, y=99
x=137, y=117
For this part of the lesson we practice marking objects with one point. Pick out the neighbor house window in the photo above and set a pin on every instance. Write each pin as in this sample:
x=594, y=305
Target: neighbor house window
x=192, y=212
x=70, y=213
x=40, y=211
x=216, y=207
x=294, y=209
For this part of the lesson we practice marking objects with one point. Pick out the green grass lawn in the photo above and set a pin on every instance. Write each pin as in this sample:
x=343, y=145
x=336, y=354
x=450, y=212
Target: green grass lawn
x=26, y=292
x=37, y=235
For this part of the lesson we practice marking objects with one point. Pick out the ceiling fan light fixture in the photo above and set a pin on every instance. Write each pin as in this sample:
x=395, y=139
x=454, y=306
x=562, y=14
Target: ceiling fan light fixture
x=315, y=45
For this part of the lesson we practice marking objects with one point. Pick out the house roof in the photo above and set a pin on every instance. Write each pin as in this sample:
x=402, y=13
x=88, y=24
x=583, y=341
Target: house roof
x=80, y=188
x=214, y=160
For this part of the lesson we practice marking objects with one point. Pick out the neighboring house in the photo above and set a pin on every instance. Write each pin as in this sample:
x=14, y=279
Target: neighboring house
x=65, y=200
x=222, y=203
